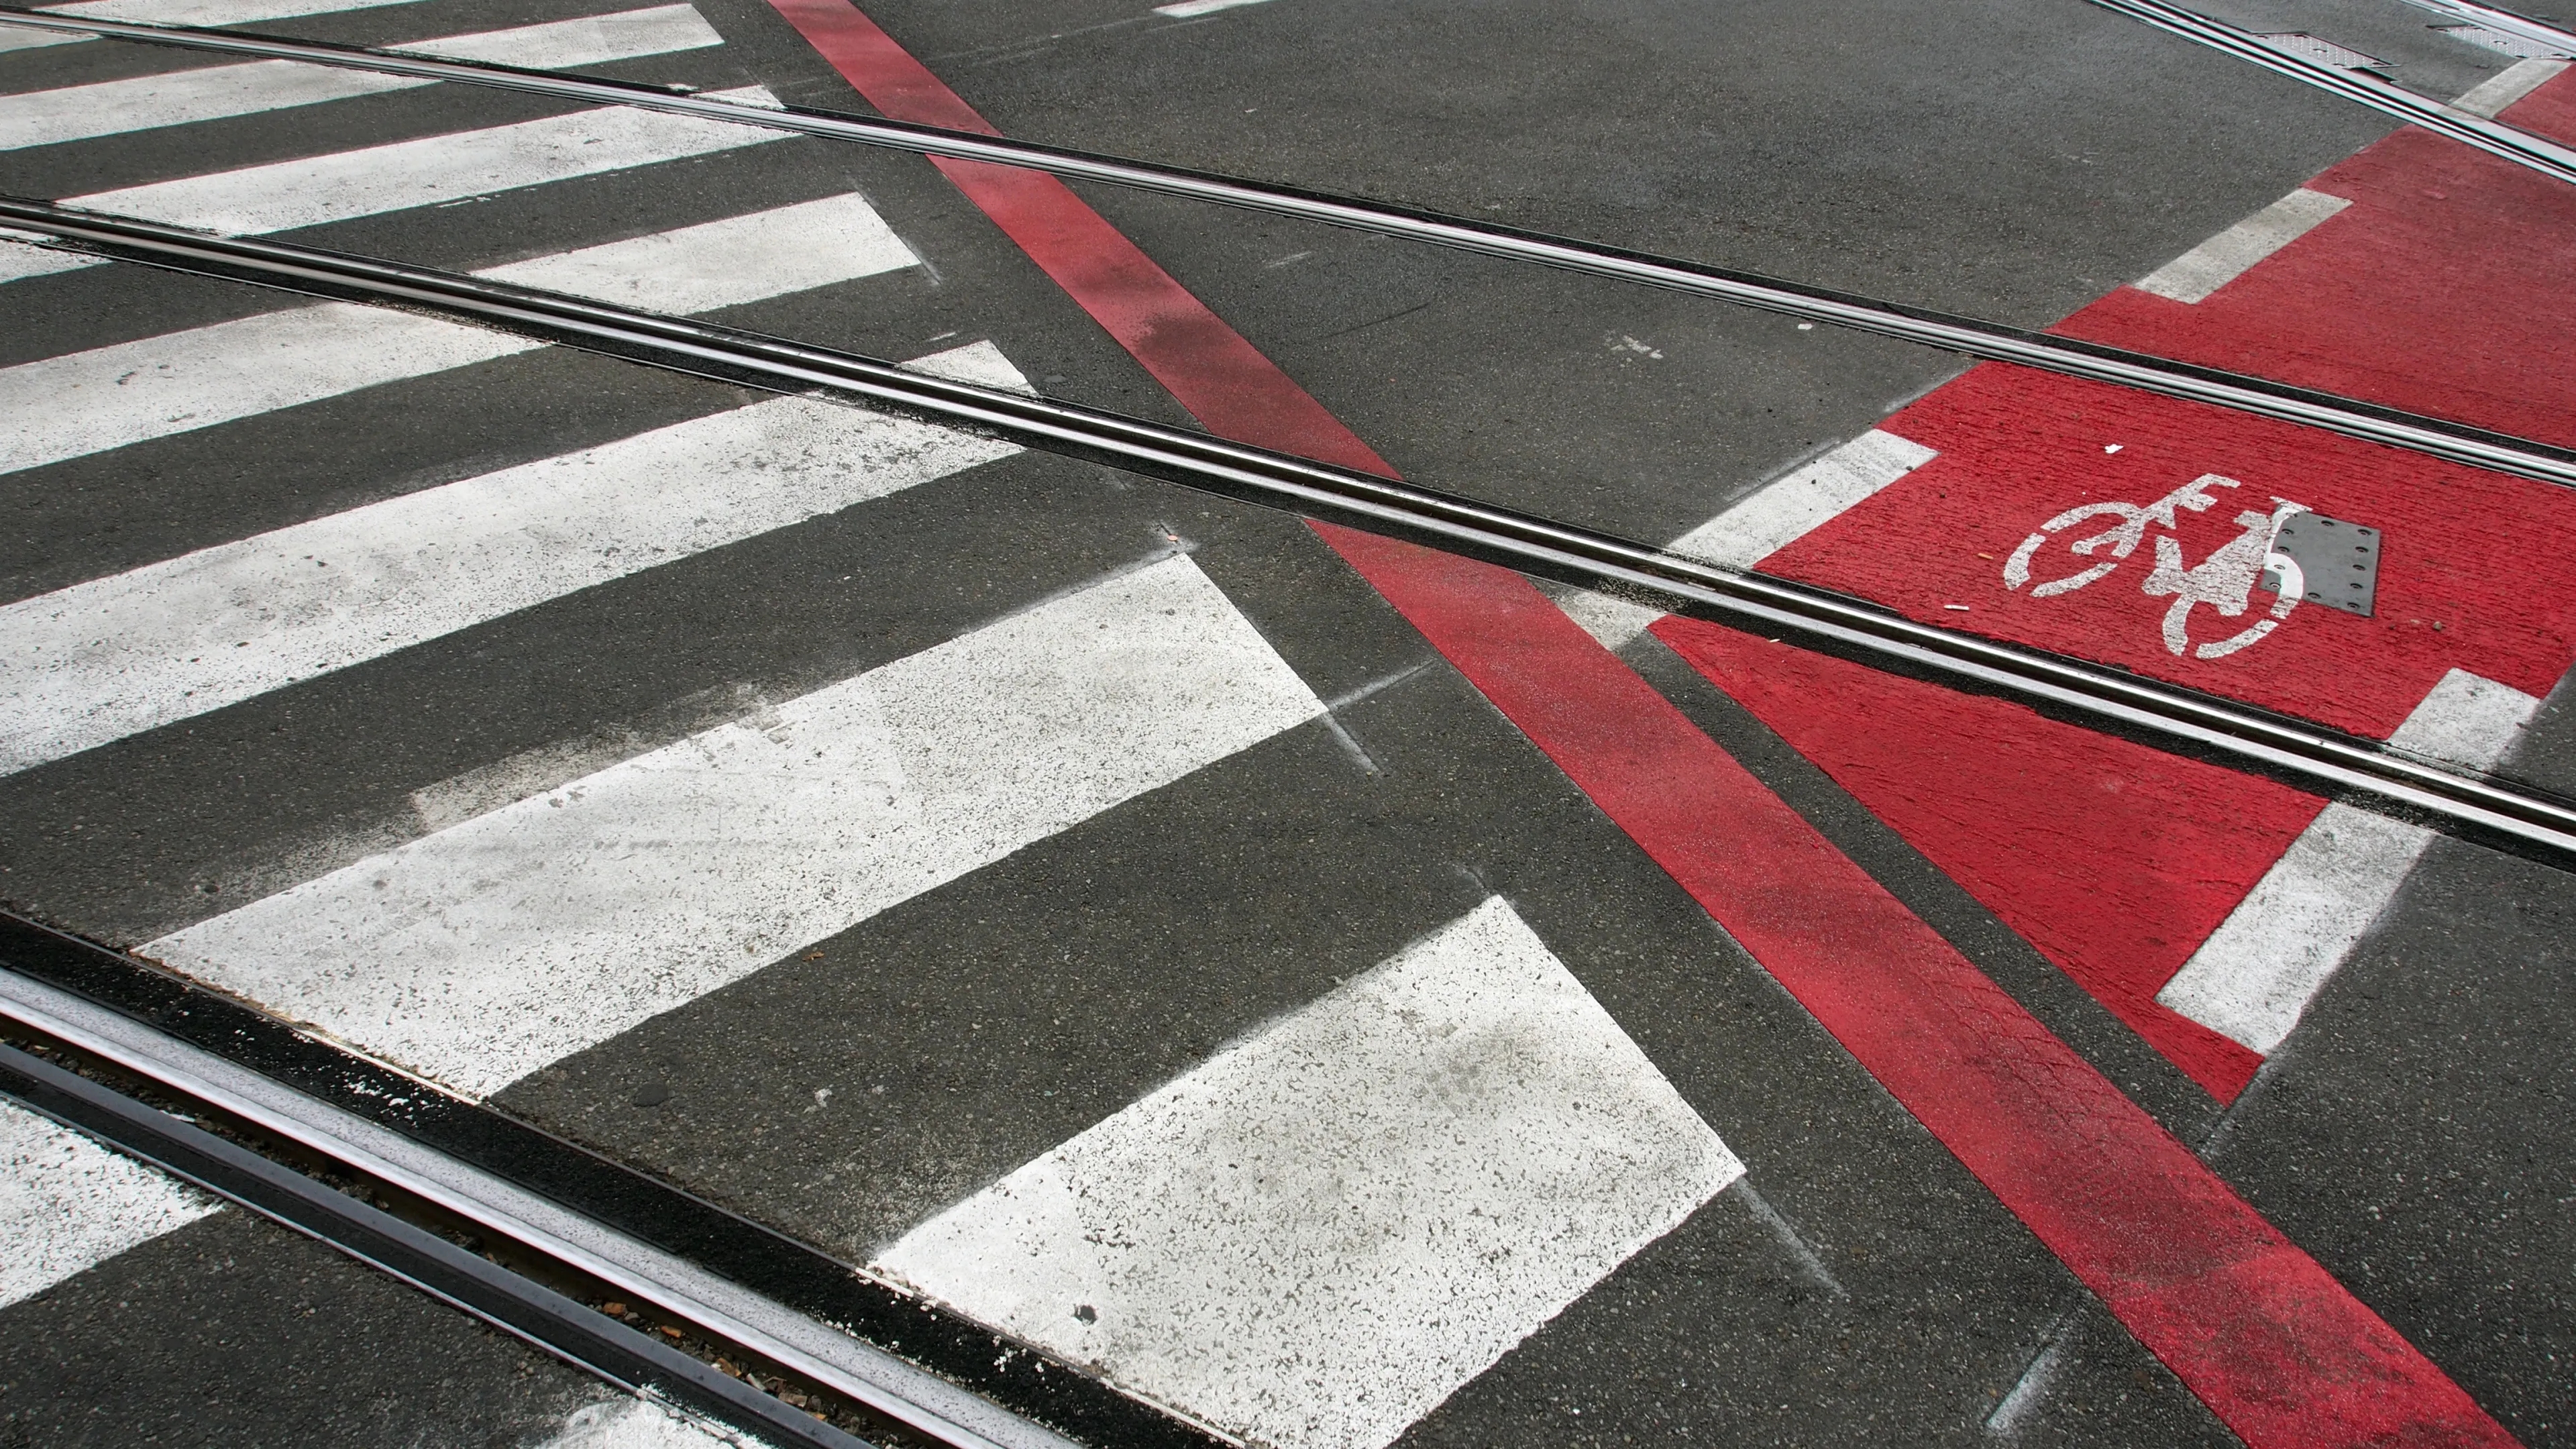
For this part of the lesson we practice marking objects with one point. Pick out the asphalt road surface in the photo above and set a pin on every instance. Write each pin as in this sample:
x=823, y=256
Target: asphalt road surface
x=1336, y=994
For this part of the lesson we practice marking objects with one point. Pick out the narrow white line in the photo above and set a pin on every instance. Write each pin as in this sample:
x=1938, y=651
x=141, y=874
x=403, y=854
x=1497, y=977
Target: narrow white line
x=314, y=190
x=2194, y=275
x=68, y=1204
x=2255, y=975
x=112, y=397
x=1770, y=520
x=102, y=660
x=483, y=952
x=1314, y=1237
x=2488, y=99
x=211, y=13
x=142, y=103
x=2028, y=1391
x=1188, y=9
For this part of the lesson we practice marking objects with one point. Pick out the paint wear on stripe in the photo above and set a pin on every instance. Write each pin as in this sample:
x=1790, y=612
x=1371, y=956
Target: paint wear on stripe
x=481, y=953
x=1317, y=1235
x=68, y=1204
x=112, y=397
x=2253, y=1326
x=99, y=661
x=107, y=108
x=287, y=195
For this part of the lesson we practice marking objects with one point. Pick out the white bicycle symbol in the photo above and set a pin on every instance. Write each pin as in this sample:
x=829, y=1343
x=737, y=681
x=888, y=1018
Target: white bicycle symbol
x=2224, y=580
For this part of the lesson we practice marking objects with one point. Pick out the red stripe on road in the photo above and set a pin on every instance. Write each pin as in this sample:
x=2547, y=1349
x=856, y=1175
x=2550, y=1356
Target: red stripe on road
x=2269, y=1340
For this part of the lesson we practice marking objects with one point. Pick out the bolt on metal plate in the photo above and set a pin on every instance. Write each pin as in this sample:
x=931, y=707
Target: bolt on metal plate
x=2339, y=557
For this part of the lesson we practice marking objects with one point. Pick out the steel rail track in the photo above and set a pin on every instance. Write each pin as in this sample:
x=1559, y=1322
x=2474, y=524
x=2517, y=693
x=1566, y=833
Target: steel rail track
x=516, y=1305
x=2493, y=137
x=494, y=1207
x=2393, y=427
x=2170, y=717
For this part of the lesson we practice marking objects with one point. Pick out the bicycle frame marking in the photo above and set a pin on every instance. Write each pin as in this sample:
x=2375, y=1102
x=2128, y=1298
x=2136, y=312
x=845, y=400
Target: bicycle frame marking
x=2224, y=581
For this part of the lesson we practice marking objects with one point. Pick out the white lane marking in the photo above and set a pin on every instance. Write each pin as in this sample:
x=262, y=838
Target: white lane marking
x=101, y=660
x=2489, y=97
x=23, y=258
x=142, y=103
x=2194, y=275
x=1317, y=1235
x=314, y=190
x=177, y=12
x=634, y=1423
x=111, y=397
x=1770, y=520
x=582, y=40
x=727, y=262
x=1189, y=9
x=67, y=1204
x=20, y=37
x=211, y=13
x=286, y=195
x=479, y=954
x=2255, y=975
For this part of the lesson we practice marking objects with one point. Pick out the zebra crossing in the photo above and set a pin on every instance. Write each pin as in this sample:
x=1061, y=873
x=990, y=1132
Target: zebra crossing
x=565, y=909
x=1078, y=901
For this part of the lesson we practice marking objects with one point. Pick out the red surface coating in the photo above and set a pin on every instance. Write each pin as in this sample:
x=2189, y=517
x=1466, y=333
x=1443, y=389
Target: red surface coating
x=2444, y=288
x=2277, y=1348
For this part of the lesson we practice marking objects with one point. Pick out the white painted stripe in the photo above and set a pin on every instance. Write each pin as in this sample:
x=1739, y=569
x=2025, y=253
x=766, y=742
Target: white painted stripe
x=1804, y=501
x=635, y=1423
x=484, y=951
x=2255, y=975
x=728, y=262
x=1774, y=517
x=2488, y=99
x=314, y=190
x=20, y=37
x=2194, y=275
x=115, y=656
x=582, y=40
x=1188, y=9
x=67, y=1204
x=211, y=13
x=1313, y=1238
x=141, y=103
x=177, y=12
x=21, y=258
x=111, y=397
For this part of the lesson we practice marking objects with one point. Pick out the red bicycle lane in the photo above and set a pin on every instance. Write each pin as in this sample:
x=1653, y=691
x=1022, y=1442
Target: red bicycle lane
x=2441, y=288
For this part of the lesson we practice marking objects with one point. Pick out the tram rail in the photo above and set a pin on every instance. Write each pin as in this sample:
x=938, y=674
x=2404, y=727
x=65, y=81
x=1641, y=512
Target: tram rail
x=2182, y=721
x=1992, y=341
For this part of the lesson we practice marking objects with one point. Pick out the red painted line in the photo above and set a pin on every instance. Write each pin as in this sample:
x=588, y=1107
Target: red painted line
x=2272, y=1343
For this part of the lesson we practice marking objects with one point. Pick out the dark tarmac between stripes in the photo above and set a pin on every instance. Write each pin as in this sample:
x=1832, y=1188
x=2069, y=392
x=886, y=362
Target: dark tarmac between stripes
x=1858, y=1284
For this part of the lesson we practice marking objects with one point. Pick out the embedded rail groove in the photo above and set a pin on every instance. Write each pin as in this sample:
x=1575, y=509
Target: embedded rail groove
x=2170, y=717
x=1993, y=341
x=2493, y=137
x=514, y=1304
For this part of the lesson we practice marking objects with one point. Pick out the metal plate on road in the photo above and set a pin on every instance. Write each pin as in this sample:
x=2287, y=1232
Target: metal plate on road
x=2338, y=561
